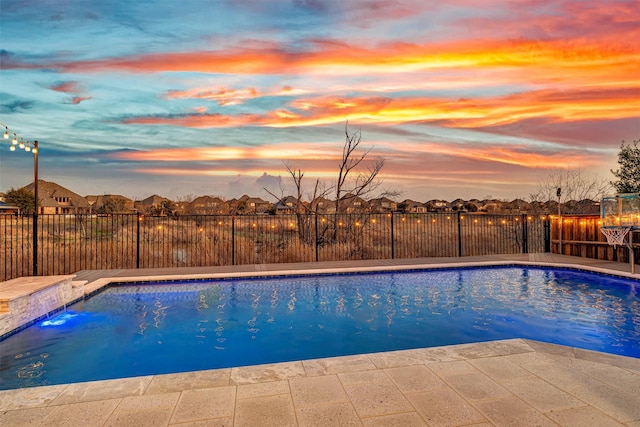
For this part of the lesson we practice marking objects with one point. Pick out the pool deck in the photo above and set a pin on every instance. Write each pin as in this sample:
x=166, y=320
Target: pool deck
x=500, y=383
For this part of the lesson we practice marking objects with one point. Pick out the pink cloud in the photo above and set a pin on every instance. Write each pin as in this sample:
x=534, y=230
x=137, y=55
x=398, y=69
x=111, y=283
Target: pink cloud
x=66, y=87
x=79, y=99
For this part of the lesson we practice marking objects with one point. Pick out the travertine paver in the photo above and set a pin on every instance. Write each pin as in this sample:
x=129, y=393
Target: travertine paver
x=29, y=397
x=622, y=406
x=408, y=419
x=24, y=417
x=269, y=372
x=101, y=390
x=414, y=378
x=86, y=414
x=500, y=369
x=476, y=386
x=377, y=396
x=270, y=388
x=314, y=391
x=614, y=376
x=583, y=416
x=334, y=365
x=188, y=381
x=512, y=412
x=265, y=411
x=333, y=414
x=550, y=370
x=150, y=410
x=398, y=358
x=195, y=405
x=444, y=407
x=541, y=395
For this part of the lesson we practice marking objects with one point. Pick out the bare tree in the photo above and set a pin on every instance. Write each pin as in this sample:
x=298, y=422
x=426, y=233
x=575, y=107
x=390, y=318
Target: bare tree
x=352, y=182
x=364, y=183
x=574, y=186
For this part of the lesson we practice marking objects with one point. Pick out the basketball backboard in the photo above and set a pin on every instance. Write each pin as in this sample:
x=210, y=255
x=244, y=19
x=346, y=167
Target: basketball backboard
x=621, y=210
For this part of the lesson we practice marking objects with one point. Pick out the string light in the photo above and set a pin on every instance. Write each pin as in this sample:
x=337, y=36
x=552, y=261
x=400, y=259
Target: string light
x=18, y=141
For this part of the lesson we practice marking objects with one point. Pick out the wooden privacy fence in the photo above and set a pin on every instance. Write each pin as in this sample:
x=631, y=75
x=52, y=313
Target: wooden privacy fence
x=70, y=243
x=580, y=236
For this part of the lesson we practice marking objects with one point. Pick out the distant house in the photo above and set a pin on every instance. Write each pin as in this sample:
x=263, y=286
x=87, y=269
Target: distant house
x=286, y=205
x=436, y=205
x=55, y=199
x=490, y=206
x=155, y=205
x=249, y=205
x=6, y=209
x=382, y=205
x=517, y=206
x=257, y=205
x=323, y=206
x=354, y=204
x=110, y=203
x=411, y=206
x=208, y=205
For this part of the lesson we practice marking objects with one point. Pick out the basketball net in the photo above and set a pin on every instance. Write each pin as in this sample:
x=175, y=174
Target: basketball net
x=615, y=235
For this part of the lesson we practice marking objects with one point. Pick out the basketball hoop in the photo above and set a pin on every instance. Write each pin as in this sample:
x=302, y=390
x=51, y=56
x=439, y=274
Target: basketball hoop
x=615, y=235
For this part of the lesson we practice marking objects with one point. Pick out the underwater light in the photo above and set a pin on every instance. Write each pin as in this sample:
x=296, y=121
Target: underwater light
x=60, y=320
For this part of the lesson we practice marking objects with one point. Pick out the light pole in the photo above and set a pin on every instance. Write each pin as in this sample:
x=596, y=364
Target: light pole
x=559, y=194
x=33, y=147
x=35, y=208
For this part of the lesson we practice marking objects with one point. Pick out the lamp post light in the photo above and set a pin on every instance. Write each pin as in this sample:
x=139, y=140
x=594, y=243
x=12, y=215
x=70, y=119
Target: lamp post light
x=559, y=194
x=29, y=147
x=35, y=208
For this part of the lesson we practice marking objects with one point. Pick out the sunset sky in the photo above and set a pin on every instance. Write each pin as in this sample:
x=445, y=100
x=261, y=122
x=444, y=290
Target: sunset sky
x=463, y=98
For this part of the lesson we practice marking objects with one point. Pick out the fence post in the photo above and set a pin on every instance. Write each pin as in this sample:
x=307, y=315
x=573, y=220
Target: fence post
x=233, y=240
x=459, y=234
x=525, y=235
x=316, y=234
x=138, y=220
x=35, y=238
x=547, y=235
x=392, y=238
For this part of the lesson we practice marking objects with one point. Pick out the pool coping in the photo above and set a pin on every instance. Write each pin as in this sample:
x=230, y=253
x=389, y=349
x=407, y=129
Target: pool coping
x=577, y=384
x=345, y=267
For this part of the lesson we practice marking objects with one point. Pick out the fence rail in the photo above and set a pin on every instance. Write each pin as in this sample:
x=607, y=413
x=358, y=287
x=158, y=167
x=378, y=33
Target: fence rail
x=579, y=235
x=70, y=243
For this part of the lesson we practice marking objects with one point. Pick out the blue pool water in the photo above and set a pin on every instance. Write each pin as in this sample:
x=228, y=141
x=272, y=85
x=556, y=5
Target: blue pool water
x=143, y=329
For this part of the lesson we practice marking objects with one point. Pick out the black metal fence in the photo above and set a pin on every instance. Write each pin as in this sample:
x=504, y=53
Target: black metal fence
x=70, y=243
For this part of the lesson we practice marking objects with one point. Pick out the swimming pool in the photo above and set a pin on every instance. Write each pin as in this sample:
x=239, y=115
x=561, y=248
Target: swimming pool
x=152, y=328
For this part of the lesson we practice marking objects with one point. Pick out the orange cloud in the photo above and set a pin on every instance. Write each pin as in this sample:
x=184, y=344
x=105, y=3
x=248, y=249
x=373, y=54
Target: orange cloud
x=328, y=153
x=557, y=105
x=318, y=151
x=221, y=96
x=543, y=59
